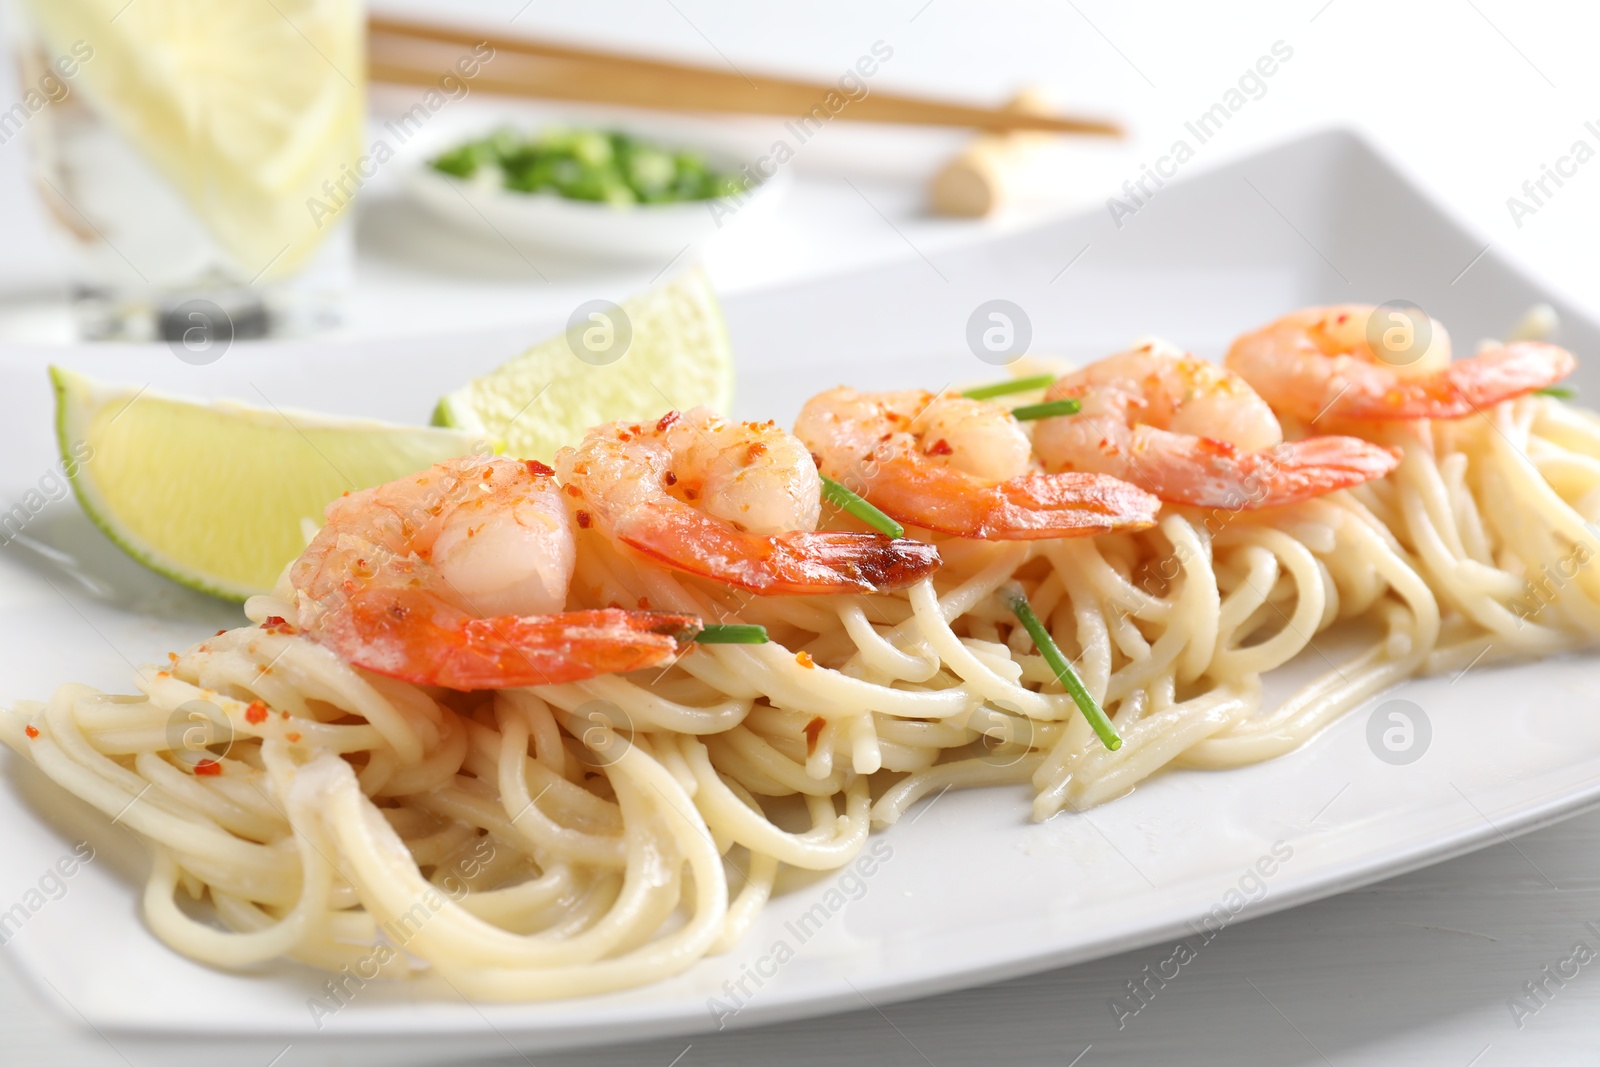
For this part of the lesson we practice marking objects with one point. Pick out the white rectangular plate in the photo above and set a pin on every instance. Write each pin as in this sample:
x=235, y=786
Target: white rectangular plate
x=973, y=891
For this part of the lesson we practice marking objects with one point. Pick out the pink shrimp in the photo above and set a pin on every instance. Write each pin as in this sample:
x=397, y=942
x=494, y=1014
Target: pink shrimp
x=1321, y=362
x=959, y=466
x=457, y=577
x=1193, y=433
x=734, y=501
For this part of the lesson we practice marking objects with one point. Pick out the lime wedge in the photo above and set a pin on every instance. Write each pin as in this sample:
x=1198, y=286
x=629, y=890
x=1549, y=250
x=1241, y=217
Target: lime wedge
x=678, y=356
x=246, y=109
x=212, y=494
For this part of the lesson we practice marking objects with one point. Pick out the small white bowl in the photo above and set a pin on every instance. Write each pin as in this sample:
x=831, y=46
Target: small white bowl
x=636, y=232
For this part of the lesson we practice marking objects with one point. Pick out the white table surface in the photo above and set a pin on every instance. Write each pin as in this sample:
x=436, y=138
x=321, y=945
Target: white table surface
x=1473, y=96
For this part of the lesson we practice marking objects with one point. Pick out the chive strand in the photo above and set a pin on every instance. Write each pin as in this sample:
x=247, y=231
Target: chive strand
x=1015, y=385
x=1560, y=392
x=1017, y=601
x=731, y=634
x=1047, y=410
x=841, y=497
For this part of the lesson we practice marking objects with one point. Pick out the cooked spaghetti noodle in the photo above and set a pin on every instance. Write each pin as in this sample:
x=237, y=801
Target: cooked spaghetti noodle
x=560, y=840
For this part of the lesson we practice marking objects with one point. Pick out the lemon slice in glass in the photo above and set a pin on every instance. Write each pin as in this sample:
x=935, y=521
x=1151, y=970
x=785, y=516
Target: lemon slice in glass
x=665, y=348
x=213, y=494
x=246, y=108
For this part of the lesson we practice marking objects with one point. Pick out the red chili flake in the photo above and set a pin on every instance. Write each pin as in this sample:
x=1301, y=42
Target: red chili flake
x=277, y=624
x=219, y=633
x=573, y=490
x=666, y=420
x=805, y=660
x=208, y=767
x=31, y=731
x=163, y=674
x=885, y=437
x=585, y=520
x=283, y=714
x=543, y=470
x=624, y=436
x=256, y=713
x=755, y=451
x=670, y=478
x=1341, y=319
x=172, y=657
x=941, y=447
x=691, y=494
x=816, y=461
x=814, y=731
x=644, y=603
x=291, y=737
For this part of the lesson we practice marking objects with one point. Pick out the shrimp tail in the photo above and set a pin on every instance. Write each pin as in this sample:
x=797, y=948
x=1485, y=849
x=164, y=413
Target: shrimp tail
x=793, y=563
x=1465, y=387
x=412, y=635
x=872, y=562
x=1025, y=508
x=1302, y=470
x=1481, y=381
x=1066, y=504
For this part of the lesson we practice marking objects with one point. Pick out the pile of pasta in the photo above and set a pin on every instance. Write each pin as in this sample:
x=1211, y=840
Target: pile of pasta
x=570, y=839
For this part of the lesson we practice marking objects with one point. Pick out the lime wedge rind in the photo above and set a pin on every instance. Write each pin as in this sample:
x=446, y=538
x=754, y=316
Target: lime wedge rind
x=212, y=495
x=62, y=382
x=679, y=355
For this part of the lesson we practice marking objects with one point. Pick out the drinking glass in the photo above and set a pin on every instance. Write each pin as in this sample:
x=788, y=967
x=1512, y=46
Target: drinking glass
x=191, y=154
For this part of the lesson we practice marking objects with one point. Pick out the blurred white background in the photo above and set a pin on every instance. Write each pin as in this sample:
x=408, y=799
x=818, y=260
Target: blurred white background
x=1472, y=97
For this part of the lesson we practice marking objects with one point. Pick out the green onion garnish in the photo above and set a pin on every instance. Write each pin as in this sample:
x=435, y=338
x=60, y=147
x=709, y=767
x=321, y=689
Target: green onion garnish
x=1015, y=385
x=1560, y=392
x=1047, y=410
x=732, y=634
x=1017, y=601
x=840, y=497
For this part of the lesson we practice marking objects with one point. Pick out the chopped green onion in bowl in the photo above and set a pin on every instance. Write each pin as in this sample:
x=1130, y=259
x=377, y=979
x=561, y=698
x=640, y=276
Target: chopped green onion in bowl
x=602, y=166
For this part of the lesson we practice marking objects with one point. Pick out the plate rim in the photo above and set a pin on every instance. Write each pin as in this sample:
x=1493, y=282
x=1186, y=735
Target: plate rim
x=634, y=1022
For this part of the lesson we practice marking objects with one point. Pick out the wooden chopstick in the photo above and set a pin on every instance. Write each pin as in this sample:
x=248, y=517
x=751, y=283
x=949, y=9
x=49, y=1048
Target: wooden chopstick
x=408, y=52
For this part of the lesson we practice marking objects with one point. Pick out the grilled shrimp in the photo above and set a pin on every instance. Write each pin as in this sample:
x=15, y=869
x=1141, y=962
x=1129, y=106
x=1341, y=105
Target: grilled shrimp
x=458, y=577
x=1320, y=362
x=1193, y=433
x=737, y=502
x=959, y=466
